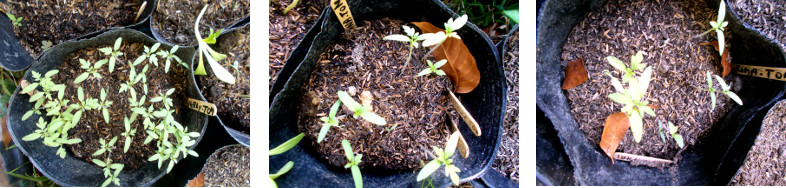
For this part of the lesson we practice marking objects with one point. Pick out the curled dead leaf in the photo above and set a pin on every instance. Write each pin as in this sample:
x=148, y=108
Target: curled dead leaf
x=613, y=131
x=461, y=67
x=575, y=74
x=198, y=181
x=724, y=58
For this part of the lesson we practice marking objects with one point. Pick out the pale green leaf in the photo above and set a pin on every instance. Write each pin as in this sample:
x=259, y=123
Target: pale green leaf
x=286, y=145
x=29, y=88
x=734, y=97
x=678, y=139
x=620, y=98
x=357, y=176
x=450, y=147
x=424, y=72
x=428, y=169
x=721, y=41
x=322, y=132
x=348, y=101
x=400, y=38
x=636, y=126
x=283, y=170
x=373, y=118
x=616, y=63
x=347, y=150
x=82, y=77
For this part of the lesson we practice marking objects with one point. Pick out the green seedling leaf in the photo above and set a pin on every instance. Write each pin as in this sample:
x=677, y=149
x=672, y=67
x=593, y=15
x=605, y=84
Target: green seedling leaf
x=347, y=150
x=212, y=56
x=283, y=170
x=636, y=126
x=287, y=145
x=357, y=176
x=428, y=169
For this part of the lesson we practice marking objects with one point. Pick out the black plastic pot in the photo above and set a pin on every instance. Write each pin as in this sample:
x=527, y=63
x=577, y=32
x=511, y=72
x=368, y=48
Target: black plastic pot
x=713, y=161
x=71, y=171
x=141, y=25
x=239, y=136
x=486, y=103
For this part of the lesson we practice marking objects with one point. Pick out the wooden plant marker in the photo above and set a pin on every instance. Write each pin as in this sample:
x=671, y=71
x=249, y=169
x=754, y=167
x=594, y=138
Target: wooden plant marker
x=631, y=157
x=462, y=144
x=141, y=8
x=464, y=113
x=341, y=8
x=772, y=73
x=201, y=106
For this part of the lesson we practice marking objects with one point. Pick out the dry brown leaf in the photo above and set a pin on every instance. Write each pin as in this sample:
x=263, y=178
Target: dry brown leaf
x=616, y=126
x=575, y=74
x=724, y=59
x=198, y=181
x=461, y=67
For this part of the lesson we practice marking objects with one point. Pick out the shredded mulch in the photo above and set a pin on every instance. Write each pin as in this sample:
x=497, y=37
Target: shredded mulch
x=174, y=19
x=361, y=61
x=664, y=31
x=765, y=164
x=92, y=128
x=507, y=159
x=767, y=16
x=286, y=31
x=229, y=167
x=232, y=101
x=59, y=21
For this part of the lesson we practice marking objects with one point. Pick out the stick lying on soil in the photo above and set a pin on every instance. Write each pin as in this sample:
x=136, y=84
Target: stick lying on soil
x=649, y=161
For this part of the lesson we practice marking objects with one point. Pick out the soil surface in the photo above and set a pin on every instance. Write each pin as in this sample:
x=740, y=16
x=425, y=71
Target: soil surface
x=767, y=16
x=765, y=164
x=507, y=159
x=664, y=31
x=286, y=31
x=232, y=101
x=229, y=167
x=174, y=19
x=361, y=61
x=92, y=128
x=59, y=21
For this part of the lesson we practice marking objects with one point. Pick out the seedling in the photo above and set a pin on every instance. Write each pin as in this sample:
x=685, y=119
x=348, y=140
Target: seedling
x=45, y=45
x=211, y=55
x=329, y=120
x=150, y=55
x=89, y=70
x=436, y=39
x=632, y=97
x=106, y=147
x=628, y=72
x=16, y=21
x=360, y=110
x=443, y=158
x=718, y=27
x=107, y=168
x=725, y=89
x=354, y=160
x=128, y=133
x=113, y=52
x=672, y=131
x=281, y=149
x=104, y=104
x=169, y=56
x=412, y=37
x=433, y=68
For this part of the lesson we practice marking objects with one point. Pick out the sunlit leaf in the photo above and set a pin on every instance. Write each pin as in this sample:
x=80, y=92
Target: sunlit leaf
x=613, y=132
x=575, y=74
x=461, y=67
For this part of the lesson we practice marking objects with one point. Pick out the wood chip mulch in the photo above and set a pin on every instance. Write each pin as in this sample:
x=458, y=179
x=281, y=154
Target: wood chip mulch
x=286, y=31
x=767, y=16
x=229, y=167
x=664, y=31
x=507, y=159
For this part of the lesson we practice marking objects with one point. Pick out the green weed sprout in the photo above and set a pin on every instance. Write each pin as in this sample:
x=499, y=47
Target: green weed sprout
x=16, y=21
x=725, y=89
x=672, y=131
x=211, y=55
x=412, y=38
x=360, y=110
x=718, y=26
x=169, y=56
x=89, y=70
x=106, y=147
x=433, y=68
x=279, y=150
x=443, y=158
x=354, y=160
x=632, y=97
x=628, y=72
x=329, y=120
x=113, y=52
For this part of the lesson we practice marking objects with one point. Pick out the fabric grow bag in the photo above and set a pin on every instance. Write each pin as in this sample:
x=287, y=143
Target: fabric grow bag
x=12, y=56
x=713, y=161
x=486, y=103
x=71, y=171
x=239, y=136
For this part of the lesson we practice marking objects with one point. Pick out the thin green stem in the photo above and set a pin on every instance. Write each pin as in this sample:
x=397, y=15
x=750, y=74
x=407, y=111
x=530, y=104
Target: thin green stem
x=702, y=34
x=433, y=49
x=409, y=56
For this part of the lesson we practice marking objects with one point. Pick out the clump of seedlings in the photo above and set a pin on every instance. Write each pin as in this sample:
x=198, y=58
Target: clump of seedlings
x=725, y=89
x=211, y=55
x=354, y=161
x=160, y=126
x=279, y=150
x=433, y=68
x=443, y=158
x=672, y=131
x=632, y=97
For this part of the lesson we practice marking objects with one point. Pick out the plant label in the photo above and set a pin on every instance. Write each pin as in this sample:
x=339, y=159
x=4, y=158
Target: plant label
x=761, y=72
x=341, y=8
x=201, y=106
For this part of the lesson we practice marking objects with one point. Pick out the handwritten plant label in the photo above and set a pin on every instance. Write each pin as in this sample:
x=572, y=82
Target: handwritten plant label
x=201, y=106
x=341, y=8
x=761, y=72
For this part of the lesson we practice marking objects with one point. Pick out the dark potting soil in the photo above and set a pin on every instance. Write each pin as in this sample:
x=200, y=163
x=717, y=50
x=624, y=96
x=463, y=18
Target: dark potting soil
x=232, y=101
x=174, y=19
x=92, y=128
x=286, y=31
x=361, y=61
x=58, y=21
x=767, y=16
x=765, y=164
x=507, y=159
x=229, y=167
x=664, y=31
